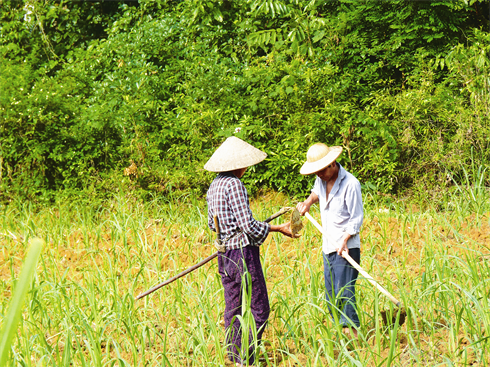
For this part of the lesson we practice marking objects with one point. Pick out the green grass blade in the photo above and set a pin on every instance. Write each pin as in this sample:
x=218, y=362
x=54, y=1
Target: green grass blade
x=12, y=318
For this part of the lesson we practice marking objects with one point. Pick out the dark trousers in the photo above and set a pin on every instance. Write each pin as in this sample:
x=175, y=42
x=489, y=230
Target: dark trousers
x=232, y=265
x=340, y=280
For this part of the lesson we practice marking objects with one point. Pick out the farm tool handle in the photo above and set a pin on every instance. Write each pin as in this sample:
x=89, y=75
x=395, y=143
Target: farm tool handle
x=180, y=275
x=209, y=258
x=346, y=256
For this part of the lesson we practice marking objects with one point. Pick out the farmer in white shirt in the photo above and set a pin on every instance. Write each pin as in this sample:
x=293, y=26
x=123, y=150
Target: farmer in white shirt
x=339, y=195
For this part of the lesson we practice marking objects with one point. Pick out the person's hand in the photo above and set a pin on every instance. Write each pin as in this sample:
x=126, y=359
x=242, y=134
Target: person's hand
x=285, y=229
x=303, y=207
x=343, y=245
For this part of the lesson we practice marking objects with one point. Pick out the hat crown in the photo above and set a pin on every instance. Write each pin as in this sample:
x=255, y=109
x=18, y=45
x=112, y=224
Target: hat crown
x=234, y=154
x=318, y=157
x=317, y=152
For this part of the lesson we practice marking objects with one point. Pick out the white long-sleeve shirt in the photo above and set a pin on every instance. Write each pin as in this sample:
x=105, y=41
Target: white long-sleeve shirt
x=343, y=211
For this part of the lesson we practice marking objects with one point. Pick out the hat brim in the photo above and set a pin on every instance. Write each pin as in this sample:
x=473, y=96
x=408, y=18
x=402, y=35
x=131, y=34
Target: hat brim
x=234, y=154
x=309, y=168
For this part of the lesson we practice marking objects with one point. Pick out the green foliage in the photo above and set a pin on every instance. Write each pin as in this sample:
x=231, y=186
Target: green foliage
x=44, y=32
x=443, y=126
x=106, y=96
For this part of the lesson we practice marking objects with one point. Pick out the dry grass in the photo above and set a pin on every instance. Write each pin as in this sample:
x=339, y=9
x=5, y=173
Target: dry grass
x=95, y=262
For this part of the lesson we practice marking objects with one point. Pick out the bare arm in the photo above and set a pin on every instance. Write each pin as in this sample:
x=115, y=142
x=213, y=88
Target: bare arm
x=284, y=228
x=305, y=205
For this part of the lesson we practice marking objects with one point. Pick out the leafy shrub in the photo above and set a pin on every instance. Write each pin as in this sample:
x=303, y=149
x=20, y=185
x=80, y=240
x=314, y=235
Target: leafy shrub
x=138, y=97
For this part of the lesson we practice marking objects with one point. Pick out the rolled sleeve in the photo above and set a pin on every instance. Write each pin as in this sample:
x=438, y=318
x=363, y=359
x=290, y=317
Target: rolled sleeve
x=353, y=197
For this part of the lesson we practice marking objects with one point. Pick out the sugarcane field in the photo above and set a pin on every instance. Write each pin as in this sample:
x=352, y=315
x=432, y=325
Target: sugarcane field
x=246, y=183
x=82, y=307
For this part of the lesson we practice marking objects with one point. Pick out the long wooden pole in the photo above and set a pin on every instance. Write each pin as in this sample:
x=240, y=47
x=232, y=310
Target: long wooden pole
x=346, y=256
x=180, y=275
x=206, y=260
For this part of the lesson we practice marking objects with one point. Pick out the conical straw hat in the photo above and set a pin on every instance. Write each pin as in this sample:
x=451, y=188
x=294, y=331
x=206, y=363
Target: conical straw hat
x=234, y=154
x=318, y=157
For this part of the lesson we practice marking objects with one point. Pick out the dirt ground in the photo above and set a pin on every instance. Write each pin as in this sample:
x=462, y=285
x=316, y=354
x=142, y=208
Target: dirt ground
x=403, y=243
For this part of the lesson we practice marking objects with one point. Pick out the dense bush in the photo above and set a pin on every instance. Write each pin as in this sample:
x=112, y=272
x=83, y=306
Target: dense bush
x=98, y=96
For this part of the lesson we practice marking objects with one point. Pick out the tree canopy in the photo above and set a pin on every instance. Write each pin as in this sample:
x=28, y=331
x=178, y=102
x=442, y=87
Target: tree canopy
x=101, y=95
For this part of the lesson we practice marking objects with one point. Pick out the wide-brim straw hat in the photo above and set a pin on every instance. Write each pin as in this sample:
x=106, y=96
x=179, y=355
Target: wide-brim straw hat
x=234, y=154
x=318, y=157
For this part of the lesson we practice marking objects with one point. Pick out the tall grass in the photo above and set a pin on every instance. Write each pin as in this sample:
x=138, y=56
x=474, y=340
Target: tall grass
x=9, y=325
x=81, y=310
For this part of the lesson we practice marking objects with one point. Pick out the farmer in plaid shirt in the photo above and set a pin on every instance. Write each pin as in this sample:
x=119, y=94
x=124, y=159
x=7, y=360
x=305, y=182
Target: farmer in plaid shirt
x=240, y=235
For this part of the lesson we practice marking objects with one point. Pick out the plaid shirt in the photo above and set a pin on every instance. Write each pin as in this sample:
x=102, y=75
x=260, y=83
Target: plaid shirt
x=227, y=198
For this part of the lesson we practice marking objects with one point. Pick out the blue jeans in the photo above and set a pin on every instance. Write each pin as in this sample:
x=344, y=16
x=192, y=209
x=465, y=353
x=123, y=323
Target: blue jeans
x=340, y=280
